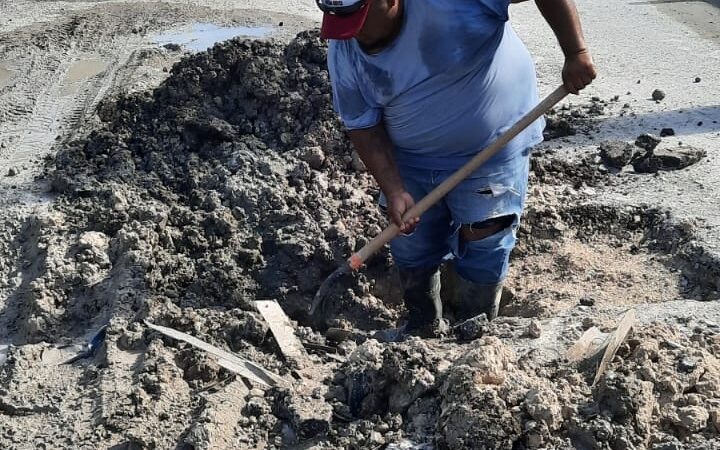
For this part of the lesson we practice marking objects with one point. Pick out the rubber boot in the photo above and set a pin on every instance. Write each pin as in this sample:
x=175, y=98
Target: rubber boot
x=421, y=295
x=473, y=299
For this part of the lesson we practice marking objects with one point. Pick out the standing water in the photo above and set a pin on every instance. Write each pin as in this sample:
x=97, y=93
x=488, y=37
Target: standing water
x=200, y=36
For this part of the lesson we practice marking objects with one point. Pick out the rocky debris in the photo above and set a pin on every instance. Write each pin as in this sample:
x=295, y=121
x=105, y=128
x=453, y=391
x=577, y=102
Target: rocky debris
x=471, y=329
x=618, y=154
x=658, y=95
x=380, y=379
x=587, y=300
x=698, y=79
x=647, y=142
x=687, y=364
x=215, y=427
x=626, y=400
x=13, y=171
x=172, y=47
x=667, y=132
x=543, y=405
x=557, y=128
x=474, y=411
x=308, y=415
x=534, y=329
x=569, y=119
x=314, y=156
x=650, y=154
x=689, y=418
x=665, y=157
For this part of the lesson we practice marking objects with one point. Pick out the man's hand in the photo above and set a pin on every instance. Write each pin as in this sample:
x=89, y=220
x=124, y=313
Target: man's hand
x=376, y=150
x=579, y=71
x=398, y=204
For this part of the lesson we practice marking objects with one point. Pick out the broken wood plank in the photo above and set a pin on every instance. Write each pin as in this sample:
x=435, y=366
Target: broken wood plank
x=589, y=344
x=282, y=329
x=614, y=342
x=227, y=360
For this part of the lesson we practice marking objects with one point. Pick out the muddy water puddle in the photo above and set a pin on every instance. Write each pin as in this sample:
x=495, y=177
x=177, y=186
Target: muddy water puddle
x=200, y=36
x=82, y=70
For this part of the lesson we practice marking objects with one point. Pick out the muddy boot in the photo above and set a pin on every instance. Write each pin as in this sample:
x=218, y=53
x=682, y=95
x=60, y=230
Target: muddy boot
x=473, y=299
x=421, y=289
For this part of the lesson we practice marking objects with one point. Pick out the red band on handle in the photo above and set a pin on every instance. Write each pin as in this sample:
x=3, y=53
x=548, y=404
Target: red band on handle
x=355, y=262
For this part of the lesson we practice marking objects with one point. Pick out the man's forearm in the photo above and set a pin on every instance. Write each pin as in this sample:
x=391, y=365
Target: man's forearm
x=563, y=18
x=376, y=151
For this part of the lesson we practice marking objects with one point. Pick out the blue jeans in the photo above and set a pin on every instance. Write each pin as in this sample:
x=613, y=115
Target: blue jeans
x=491, y=192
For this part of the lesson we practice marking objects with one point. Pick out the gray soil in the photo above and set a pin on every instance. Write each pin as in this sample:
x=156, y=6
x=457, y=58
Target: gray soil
x=179, y=188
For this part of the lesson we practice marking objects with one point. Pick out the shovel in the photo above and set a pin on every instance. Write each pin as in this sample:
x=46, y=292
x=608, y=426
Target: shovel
x=356, y=261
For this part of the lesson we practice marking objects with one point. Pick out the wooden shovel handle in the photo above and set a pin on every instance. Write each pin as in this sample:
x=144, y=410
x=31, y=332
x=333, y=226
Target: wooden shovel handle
x=362, y=255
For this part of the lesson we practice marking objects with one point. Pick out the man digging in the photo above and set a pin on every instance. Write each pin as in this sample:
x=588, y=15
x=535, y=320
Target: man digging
x=422, y=86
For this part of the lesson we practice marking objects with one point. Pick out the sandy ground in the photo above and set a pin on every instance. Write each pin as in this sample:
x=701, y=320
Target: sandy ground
x=586, y=240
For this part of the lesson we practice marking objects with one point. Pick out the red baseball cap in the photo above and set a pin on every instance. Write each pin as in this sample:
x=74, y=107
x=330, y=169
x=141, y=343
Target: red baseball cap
x=343, y=19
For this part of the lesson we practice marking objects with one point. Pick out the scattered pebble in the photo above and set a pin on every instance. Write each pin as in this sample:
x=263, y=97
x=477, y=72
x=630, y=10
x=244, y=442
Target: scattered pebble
x=534, y=330
x=658, y=95
x=698, y=79
x=586, y=300
x=687, y=364
x=667, y=132
x=12, y=171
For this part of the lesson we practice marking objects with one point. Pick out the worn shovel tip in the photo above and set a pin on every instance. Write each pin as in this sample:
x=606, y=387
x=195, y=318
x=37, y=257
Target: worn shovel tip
x=325, y=288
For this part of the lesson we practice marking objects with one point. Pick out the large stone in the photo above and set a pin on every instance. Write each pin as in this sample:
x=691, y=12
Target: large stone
x=617, y=153
x=665, y=157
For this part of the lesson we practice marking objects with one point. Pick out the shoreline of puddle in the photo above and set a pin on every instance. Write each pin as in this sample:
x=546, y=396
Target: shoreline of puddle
x=200, y=36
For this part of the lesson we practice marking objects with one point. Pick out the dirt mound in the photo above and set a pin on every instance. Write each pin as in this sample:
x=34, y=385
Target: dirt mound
x=231, y=181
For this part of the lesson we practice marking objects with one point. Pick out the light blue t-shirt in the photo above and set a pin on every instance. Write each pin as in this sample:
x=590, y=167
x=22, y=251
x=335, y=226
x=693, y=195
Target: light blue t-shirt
x=455, y=78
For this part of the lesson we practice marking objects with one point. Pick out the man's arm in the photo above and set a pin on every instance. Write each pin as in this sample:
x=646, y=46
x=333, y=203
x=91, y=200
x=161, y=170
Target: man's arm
x=562, y=17
x=376, y=151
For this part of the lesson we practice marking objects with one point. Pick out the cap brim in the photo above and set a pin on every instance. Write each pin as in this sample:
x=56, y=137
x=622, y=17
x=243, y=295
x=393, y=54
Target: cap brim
x=344, y=27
